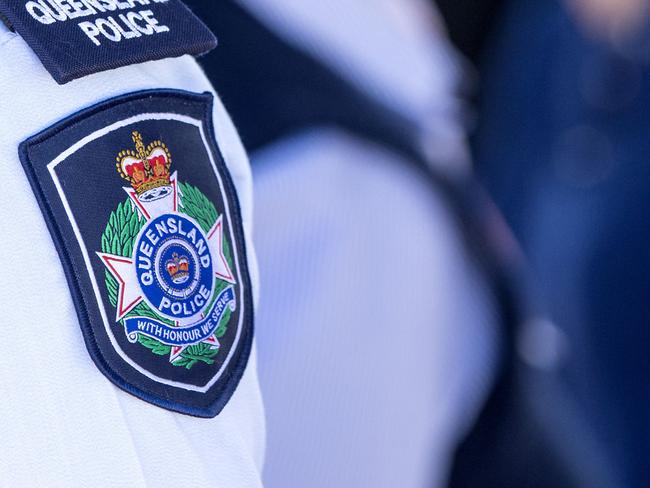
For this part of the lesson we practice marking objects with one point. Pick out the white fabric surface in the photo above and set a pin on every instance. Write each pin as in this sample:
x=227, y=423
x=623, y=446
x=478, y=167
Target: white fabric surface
x=376, y=335
x=62, y=423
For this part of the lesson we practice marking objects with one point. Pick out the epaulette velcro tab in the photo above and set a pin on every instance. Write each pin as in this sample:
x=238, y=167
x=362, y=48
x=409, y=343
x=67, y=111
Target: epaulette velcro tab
x=76, y=38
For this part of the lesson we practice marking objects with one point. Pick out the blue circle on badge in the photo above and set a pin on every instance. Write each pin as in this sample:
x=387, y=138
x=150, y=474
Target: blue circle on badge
x=174, y=266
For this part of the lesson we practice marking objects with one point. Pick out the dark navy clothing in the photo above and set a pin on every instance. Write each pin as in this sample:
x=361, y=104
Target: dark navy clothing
x=563, y=145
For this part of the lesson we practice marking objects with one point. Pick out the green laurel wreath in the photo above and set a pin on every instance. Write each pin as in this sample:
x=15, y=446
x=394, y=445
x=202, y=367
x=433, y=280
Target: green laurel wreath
x=118, y=239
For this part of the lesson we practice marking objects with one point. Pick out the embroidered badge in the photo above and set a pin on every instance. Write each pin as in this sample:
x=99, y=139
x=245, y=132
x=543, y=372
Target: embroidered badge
x=145, y=218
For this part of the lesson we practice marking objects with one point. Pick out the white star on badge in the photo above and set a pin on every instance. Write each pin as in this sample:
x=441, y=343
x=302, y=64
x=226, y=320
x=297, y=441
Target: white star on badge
x=129, y=294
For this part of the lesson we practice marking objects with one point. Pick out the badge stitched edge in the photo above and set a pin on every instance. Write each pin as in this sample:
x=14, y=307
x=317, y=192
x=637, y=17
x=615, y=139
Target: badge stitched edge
x=238, y=363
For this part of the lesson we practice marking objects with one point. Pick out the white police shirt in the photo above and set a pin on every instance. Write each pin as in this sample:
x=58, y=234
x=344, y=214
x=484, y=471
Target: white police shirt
x=62, y=422
x=377, y=336
x=375, y=333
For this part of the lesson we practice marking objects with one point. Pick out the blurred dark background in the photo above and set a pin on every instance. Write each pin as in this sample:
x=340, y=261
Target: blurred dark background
x=561, y=139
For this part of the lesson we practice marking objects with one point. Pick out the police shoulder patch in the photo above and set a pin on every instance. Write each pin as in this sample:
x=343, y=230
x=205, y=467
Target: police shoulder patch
x=146, y=221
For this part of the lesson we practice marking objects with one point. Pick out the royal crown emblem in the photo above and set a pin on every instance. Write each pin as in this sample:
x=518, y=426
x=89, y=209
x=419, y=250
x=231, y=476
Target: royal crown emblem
x=178, y=268
x=146, y=169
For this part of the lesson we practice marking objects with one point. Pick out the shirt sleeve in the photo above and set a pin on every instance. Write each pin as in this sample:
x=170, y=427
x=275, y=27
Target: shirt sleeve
x=64, y=423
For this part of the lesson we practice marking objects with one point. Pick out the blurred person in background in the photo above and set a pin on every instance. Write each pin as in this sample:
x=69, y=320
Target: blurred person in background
x=563, y=144
x=387, y=320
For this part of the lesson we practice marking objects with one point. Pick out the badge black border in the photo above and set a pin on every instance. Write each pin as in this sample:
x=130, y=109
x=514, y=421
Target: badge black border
x=198, y=404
